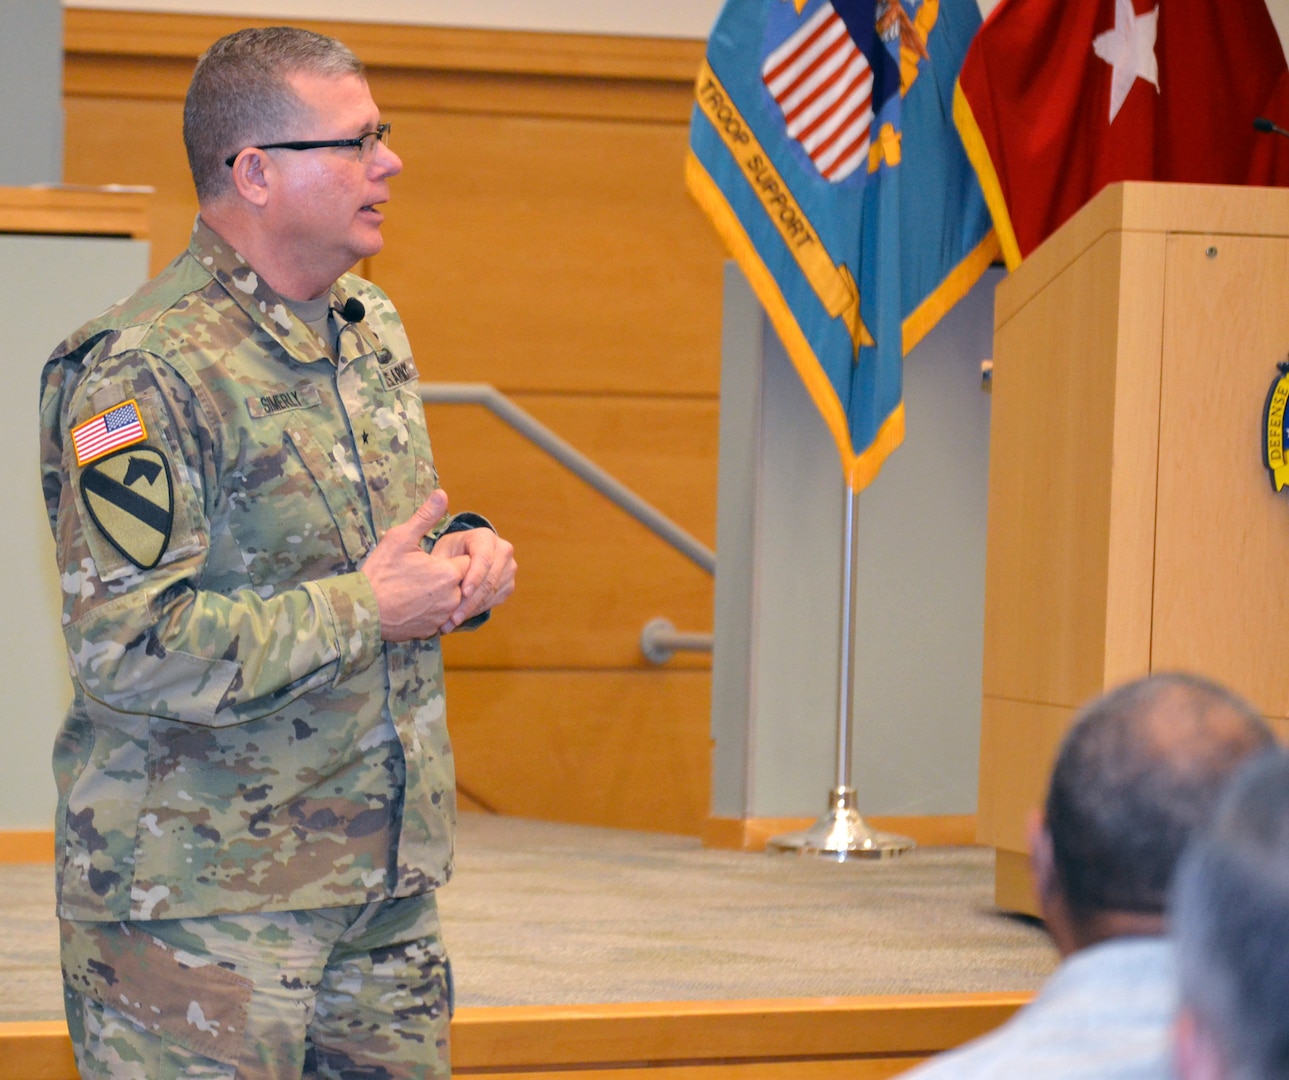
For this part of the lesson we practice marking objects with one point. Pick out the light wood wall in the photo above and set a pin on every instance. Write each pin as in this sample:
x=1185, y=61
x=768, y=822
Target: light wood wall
x=540, y=239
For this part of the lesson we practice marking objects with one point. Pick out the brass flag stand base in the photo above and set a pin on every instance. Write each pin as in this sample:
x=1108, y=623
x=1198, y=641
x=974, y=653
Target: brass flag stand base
x=841, y=833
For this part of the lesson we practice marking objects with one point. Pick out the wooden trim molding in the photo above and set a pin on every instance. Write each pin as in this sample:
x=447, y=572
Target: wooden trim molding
x=71, y=211
x=1013, y=884
x=744, y=1039
x=696, y=1031
x=151, y=34
x=34, y=846
x=38, y=1048
x=929, y=830
x=129, y=54
x=747, y=834
x=730, y=834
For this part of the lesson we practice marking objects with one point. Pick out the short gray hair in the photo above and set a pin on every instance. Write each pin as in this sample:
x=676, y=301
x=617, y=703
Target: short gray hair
x=1230, y=917
x=1141, y=769
x=239, y=95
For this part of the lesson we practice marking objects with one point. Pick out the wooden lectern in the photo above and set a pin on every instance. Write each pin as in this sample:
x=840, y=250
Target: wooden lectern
x=1133, y=526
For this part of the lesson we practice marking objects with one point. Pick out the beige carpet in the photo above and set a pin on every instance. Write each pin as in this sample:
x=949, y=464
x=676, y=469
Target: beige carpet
x=544, y=914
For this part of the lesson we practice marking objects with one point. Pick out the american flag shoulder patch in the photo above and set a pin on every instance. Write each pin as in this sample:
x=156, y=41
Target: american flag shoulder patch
x=121, y=425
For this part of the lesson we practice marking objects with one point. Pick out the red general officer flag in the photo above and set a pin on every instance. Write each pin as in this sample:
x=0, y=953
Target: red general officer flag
x=1057, y=98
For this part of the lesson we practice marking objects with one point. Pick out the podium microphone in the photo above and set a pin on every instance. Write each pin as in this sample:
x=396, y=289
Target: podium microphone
x=1261, y=123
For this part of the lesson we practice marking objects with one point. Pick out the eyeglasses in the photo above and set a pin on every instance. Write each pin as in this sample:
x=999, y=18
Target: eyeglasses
x=365, y=142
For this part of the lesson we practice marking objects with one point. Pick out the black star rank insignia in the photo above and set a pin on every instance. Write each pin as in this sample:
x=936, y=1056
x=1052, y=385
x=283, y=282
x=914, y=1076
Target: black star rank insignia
x=130, y=496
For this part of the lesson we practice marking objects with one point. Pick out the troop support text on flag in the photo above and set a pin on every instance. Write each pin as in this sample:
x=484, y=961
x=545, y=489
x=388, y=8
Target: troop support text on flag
x=823, y=150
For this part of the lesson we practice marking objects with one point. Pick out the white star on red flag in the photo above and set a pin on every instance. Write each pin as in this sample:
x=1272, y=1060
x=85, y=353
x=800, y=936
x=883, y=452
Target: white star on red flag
x=1129, y=49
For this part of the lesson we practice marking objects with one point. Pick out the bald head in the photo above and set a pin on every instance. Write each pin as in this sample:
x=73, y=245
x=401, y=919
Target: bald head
x=1139, y=771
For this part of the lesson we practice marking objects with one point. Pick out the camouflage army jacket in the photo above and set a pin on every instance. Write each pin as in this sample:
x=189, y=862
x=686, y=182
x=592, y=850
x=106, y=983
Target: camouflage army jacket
x=240, y=738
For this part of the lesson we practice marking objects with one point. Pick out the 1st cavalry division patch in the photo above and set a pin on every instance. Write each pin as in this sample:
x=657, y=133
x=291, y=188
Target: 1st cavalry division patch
x=130, y=497
x=1275, y=454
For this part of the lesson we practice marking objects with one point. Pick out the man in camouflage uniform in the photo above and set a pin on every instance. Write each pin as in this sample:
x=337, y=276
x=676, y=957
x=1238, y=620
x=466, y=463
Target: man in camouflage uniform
x=256, y=797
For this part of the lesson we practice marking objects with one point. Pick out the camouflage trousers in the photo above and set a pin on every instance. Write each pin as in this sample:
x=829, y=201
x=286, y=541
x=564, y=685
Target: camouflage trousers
x=348, y=992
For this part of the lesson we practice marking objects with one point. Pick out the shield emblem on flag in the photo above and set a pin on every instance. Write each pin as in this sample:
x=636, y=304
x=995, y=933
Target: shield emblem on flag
x=130, y=497
x=824, y=81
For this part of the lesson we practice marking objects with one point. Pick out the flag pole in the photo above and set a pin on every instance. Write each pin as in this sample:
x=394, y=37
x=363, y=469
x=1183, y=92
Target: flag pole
x=841, y=833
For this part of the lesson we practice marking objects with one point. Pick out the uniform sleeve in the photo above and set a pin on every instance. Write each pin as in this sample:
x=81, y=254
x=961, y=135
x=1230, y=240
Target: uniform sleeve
x=149, y=638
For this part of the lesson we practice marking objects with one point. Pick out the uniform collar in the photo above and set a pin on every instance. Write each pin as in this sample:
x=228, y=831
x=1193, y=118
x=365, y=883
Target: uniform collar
x=262, y=305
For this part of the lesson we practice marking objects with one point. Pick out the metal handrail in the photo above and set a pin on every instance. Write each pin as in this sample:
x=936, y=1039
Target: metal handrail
x=659, y=640
x=574, y=460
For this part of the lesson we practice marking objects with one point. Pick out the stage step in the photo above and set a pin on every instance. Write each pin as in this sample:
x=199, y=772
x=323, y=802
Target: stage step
x=858, y=1038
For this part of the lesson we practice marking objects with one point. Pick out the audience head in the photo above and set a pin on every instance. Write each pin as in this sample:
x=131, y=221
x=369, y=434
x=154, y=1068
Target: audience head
x=1141, y=768
x=240, y=96
x=1231, y=921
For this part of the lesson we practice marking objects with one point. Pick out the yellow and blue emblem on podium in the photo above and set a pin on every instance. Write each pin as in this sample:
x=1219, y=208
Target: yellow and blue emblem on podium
x=1274, y=454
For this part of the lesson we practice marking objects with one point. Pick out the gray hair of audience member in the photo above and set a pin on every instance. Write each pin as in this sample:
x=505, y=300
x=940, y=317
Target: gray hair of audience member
x=1141, y=768
x=1230, y=918
x=239, y=96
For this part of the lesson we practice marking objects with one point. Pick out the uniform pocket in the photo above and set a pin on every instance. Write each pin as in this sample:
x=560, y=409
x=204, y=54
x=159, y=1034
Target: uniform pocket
x=199, y=1009
x=296, y=509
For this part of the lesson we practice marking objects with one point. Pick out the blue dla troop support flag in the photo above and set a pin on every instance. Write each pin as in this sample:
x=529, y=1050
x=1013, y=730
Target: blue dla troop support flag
x=823, y=149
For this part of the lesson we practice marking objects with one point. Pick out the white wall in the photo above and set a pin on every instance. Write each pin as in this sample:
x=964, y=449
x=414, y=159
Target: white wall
x=31, y=71
x=920, y=570
x=63, y=281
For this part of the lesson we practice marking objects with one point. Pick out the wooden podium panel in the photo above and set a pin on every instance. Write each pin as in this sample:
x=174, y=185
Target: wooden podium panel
x=1222, y=532
x=1132, y=525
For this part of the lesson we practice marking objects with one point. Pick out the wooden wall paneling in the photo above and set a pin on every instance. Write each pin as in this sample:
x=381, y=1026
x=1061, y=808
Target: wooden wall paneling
x=148, y=35
x=622, y=749
x=1220, y=602
x=553, y=254
x=522, y=94
x=591, y=576
x=135, y=140
x=117, y=77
